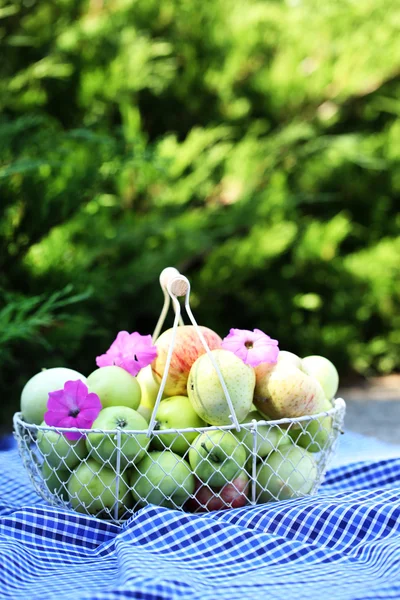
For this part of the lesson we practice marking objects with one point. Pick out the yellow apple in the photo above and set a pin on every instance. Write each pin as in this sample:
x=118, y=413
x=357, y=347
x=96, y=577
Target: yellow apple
x=149, y=388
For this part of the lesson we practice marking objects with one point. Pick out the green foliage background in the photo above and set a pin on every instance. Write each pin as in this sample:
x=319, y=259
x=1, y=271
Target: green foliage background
x=255, y=146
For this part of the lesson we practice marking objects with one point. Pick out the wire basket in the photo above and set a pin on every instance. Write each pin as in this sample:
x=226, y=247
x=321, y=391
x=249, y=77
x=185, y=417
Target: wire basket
x=112, y=473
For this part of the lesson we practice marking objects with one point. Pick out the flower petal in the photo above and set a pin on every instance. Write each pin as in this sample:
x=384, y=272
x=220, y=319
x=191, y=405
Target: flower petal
x=253, y=347
x=104, y=360
x=83, y=423
x=121, y=342
x=88, y=414
x=67, y=421
x=131, y=365
x=131, y=352
x=243, y=334
x=73, y=397
x=91, y=401
x=73, y=435
x=233, y=344
x=57, y=401
x=146, y=357
x=256, y=356
x=70, y=422
x=52, y=418
x=75, y=391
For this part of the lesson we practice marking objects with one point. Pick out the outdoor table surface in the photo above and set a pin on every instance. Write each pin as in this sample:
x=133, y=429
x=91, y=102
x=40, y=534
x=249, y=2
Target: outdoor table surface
x=342, y=543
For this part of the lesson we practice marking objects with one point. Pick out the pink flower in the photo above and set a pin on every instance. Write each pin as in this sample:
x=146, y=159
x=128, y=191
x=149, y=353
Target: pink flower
x=73, y=406
x=131, y=352
x=253, y=347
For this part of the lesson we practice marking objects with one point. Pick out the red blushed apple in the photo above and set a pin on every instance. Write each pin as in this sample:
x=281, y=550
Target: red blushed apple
x=187, y=349
x=232, y=495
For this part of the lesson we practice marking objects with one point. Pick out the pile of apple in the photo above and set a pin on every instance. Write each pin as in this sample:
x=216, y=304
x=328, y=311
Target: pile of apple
x=212, y=466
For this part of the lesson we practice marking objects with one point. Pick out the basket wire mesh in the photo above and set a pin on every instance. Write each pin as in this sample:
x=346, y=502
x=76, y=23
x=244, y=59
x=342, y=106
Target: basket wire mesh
x=112, y=473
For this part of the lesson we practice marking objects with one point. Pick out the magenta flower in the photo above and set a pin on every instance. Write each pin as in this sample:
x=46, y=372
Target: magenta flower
x=131, y=352
x=73, y=406
x=253, y=347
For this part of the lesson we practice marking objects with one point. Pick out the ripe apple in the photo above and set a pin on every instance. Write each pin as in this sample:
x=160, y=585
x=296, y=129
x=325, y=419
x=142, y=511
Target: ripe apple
x=59, y=451
x=103, y=447
x=288, y=473
x=56, y=480
x=232, y=495
x=187, y=349
x=268, y=439
x=35, y=394
x=162, y=478
x=207, y=395
x=287, y=392
x=149, y=388
x=324, y=371
x=115, y=387
x=313, y=435
x=92, y=489
x=217, y=457
x=176, y=413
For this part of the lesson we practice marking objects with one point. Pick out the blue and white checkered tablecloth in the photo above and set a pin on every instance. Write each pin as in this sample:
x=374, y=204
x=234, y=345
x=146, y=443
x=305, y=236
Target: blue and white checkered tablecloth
x=343, y=543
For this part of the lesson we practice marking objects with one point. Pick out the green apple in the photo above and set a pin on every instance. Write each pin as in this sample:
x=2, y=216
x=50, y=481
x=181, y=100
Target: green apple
x=313, y=435
x=268, y=438
x=207, y=395
x=35, y=394
x=93, y=487
x=59, y=451
x=56, y=480
x=149, y=390
x=288, y=473
x=162, y=478
x=115, y=387
x=289, y=357
x=324, y=371
x=103, y=447
x=176, y=413
x=216, y=457
x=287, y=392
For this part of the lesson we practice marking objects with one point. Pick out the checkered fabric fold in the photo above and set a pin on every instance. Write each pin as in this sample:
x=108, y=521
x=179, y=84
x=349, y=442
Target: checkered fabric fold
x=343, y=543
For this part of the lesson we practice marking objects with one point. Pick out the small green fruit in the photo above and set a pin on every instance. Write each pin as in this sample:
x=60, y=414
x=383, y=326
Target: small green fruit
x=217, y=457
x=268, y=438
x=314, y=435
x=176, y=413
x=149, y=390
x=288, y=473
x=56, y=480
x=59, y=451
x=289, y=357
x=324, y=371
x=35, y=394
x=115, y=387
x=93, y=489
x=103, y=447
x=162, y=478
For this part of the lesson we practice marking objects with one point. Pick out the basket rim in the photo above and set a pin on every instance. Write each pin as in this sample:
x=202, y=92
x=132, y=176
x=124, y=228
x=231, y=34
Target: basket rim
x=338, y=406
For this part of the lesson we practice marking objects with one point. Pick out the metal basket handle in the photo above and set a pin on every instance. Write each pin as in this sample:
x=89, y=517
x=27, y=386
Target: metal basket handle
x=177, y=285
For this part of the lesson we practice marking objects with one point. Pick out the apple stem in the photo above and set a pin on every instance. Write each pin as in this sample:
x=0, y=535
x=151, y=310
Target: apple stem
x=214, y=457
